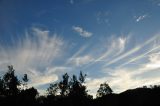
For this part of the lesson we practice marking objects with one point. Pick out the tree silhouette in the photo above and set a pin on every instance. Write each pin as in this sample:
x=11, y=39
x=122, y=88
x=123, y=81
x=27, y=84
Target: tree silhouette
x=104, y=90
x=77, y=87
x=69, y=86
x=64, y=85
x=11, y=82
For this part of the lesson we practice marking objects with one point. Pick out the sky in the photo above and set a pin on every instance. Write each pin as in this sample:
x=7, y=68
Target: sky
x=113, y=41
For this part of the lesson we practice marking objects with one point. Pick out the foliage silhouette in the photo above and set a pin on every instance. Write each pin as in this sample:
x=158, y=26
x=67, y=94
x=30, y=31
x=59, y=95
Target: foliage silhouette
x=72, y=91
x=11, y=82
x=104, y=90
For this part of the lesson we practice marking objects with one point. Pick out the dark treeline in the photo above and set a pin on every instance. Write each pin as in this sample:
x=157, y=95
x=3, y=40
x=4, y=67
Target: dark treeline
x=71, y=91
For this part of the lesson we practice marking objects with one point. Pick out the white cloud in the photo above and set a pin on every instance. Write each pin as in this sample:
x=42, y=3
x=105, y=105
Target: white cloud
x=82, y=32
x=134, y=50
x=119, y=44
x=140, y=18
x=154, y=61
x=122, y=42
x=32, y=54
x=151, y=49
x=135, y=58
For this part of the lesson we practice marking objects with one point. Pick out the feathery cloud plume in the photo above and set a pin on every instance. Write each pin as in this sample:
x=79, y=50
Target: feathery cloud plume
x=37, y=50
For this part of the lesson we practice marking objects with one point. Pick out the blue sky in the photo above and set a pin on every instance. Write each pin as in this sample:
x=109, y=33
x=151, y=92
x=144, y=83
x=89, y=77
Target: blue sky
x=117, y=41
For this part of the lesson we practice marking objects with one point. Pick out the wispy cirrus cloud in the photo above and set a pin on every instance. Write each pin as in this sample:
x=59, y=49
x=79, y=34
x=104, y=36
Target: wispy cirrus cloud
x=143, y=55
x=134, y=50
x=32, y=54
x=124, y=75
x=115, y=46
x=82, y=32
x=110, y=48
